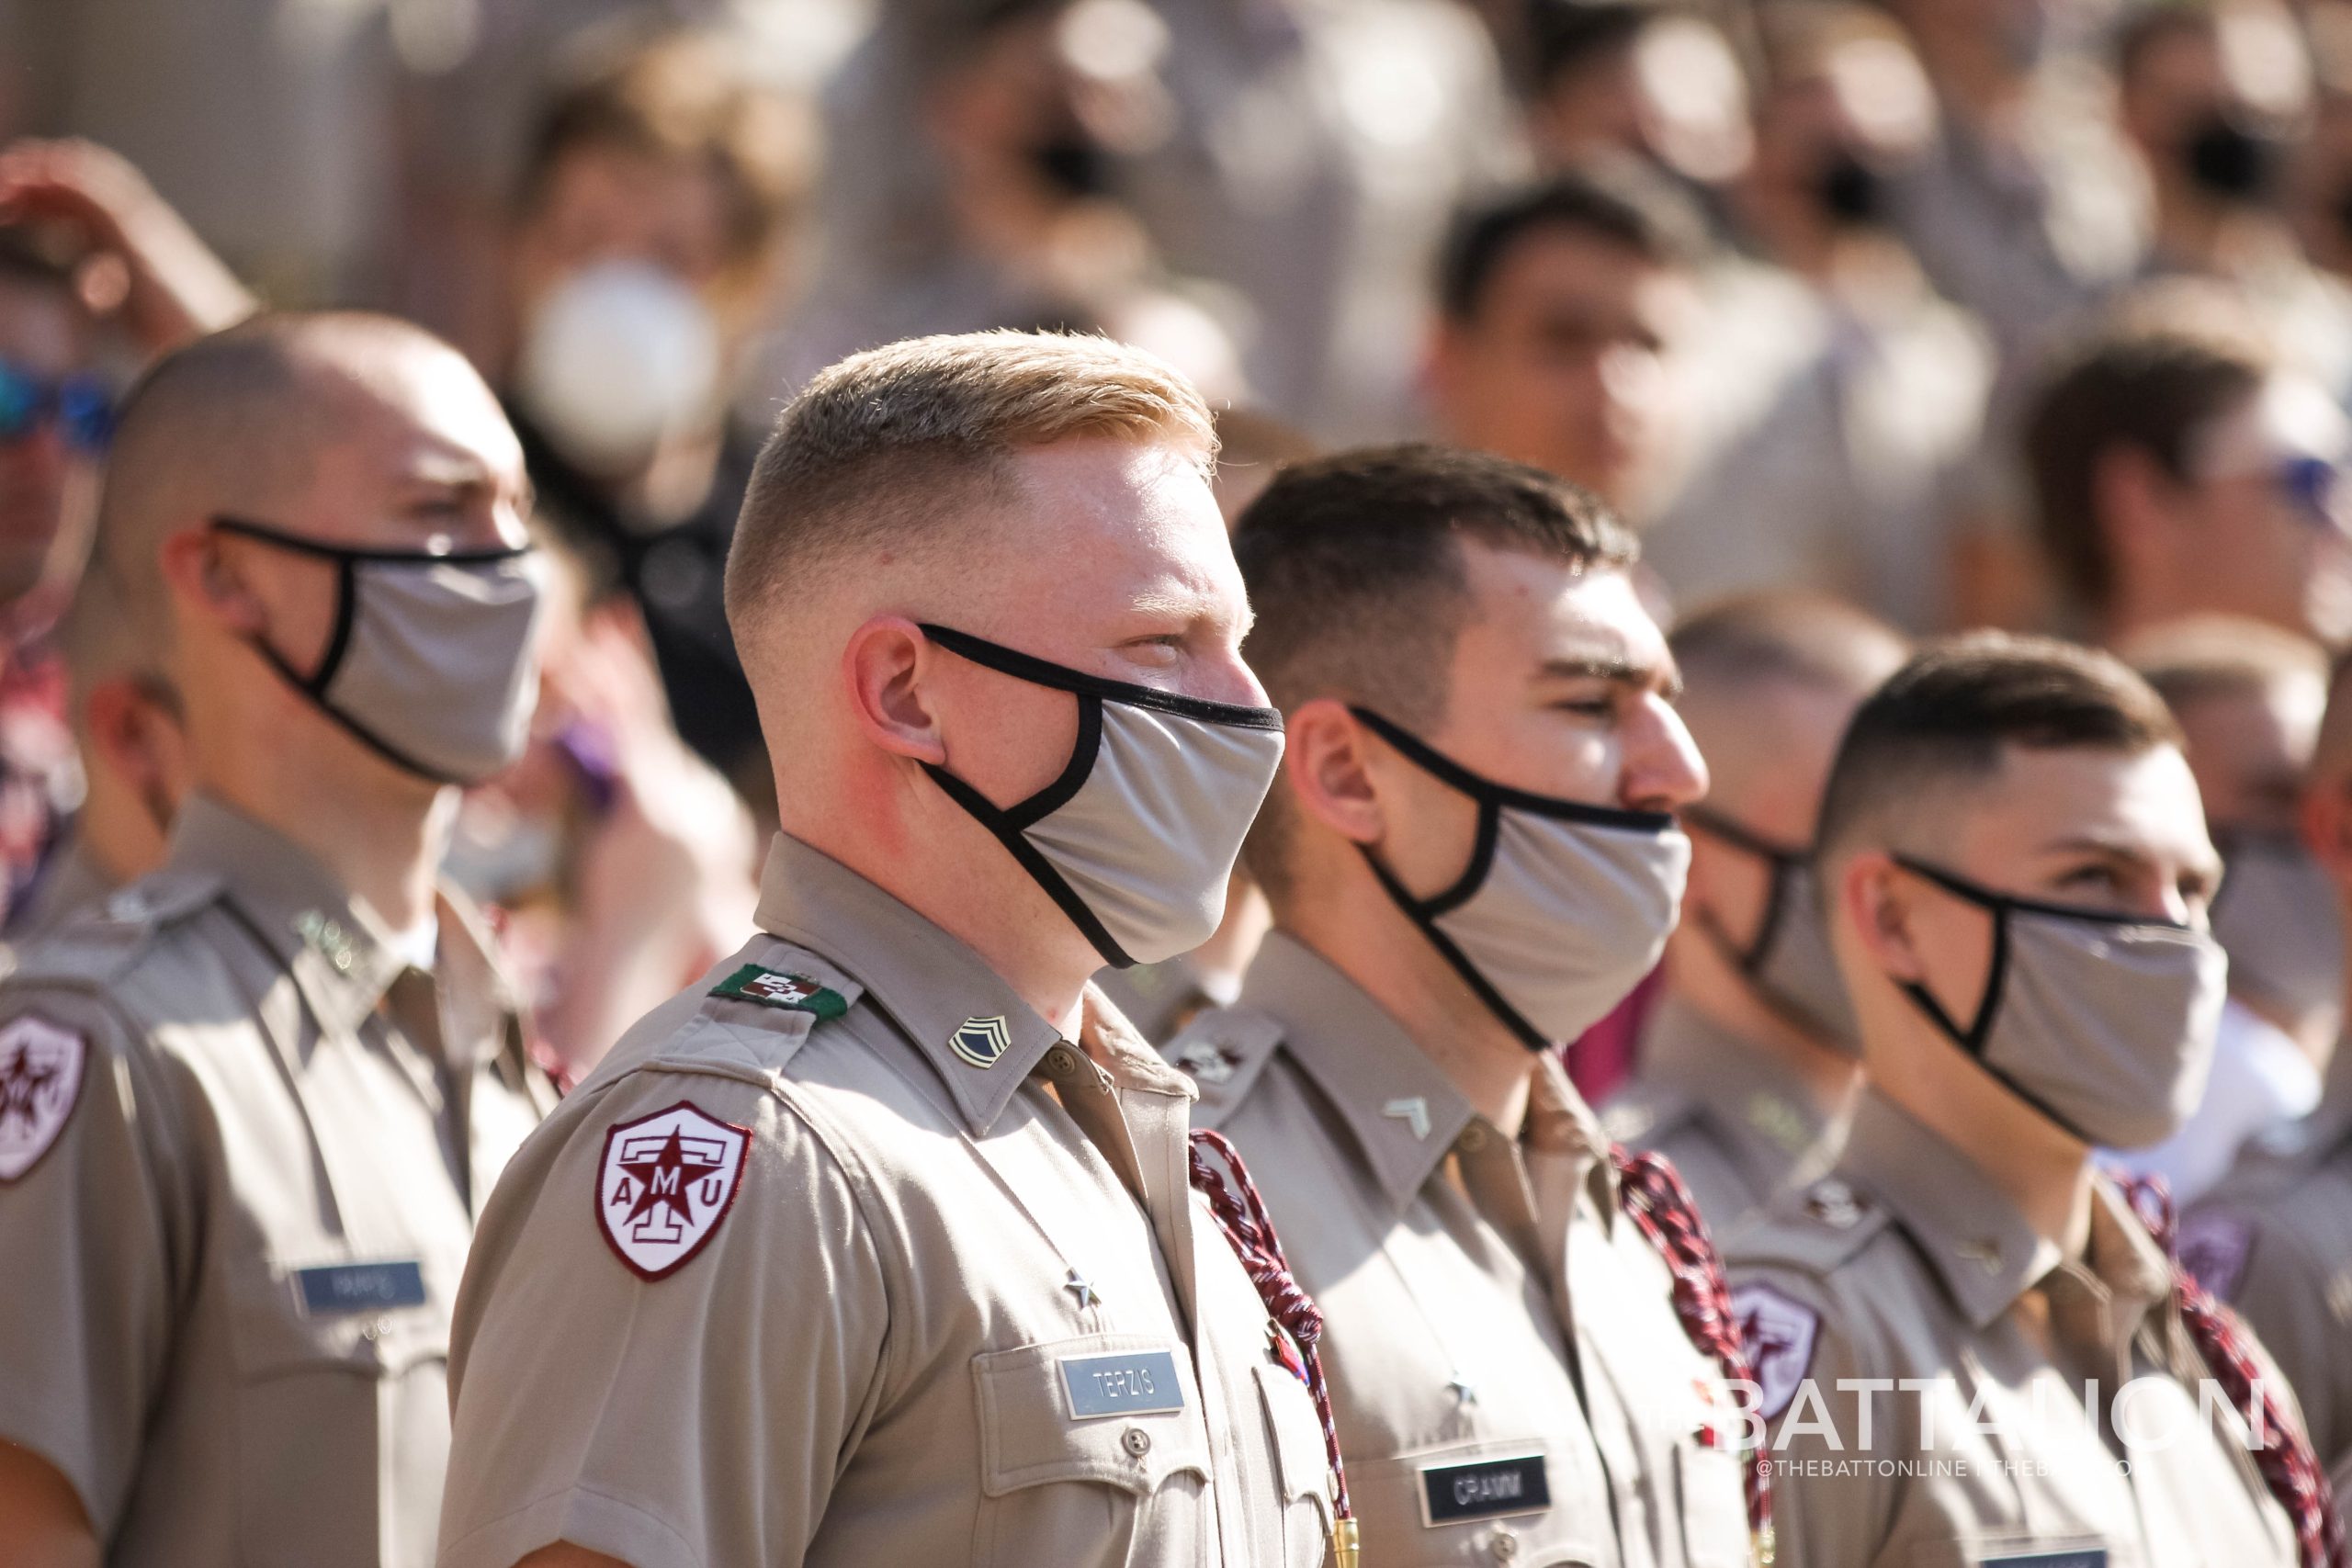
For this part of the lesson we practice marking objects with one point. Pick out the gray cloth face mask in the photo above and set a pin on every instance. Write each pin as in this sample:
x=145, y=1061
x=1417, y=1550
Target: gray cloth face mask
x=432, y=661
x=2101, y=1021
x=1136, y=839
x=1563, y=907
x=2276, y=918
x=1788, y=964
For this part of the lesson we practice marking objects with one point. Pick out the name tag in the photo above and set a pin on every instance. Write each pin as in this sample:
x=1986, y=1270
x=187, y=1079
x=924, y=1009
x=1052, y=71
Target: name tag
x=2080, y=1557
x=334, y=1288
x=1484, y=1489
x=1134, y=1383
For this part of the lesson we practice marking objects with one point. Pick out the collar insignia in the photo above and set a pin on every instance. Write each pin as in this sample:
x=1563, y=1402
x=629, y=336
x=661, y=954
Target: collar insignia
x=1413, y=1112
x=982, y=1041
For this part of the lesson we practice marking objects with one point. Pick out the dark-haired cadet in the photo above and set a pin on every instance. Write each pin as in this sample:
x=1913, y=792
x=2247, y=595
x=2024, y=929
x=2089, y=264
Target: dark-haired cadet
x=1560, y=309
x=1470, y=855
x=1970, y=1346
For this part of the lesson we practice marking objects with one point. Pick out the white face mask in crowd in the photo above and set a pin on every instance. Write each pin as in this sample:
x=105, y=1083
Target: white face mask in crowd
x=432, y=661
x=2102, y=1020
x=617, y=357
x=1788, y=964
x=1136, y=838
x=1563, y=907
x=2275, y=917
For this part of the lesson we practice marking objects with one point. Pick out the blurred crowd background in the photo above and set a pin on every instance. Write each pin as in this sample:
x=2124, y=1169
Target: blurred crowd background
x=2034, y=314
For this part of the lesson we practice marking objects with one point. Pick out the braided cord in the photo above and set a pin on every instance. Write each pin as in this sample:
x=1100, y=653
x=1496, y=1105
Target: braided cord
x=2283, y=1456
x=1242, y=1216
x=1654, y=1199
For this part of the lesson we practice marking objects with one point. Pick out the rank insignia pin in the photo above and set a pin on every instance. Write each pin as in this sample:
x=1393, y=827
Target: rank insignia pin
x=982, y=1041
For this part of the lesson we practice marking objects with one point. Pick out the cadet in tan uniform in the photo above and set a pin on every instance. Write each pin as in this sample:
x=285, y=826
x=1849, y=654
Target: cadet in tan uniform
x=2274, y=1239
x=1469, y=857
x=1747, y=1069
x=250, y=1107
x=876, y=1245
x=1969, y=1346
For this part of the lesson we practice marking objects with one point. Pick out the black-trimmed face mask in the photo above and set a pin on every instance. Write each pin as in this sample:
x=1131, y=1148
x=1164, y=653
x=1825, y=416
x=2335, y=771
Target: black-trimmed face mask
x=1136, y=838
x=2102, y=1020
x=2276, y=916
x=1563, y=907
x=1788, y=963
x=432, y=661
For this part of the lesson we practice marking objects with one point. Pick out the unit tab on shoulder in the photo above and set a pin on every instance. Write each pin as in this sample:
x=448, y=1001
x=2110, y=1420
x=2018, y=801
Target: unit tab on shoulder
x=776, y=989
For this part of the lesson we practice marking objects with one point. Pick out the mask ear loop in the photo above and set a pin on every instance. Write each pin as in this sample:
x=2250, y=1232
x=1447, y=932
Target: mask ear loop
x=1750, y=959
x=1971, y=1038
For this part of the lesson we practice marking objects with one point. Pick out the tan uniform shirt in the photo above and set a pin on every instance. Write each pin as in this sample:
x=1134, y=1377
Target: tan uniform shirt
x=922, y=1285
x=240, y=1147
x=1737, y=1128
x=1907, y=1266
x=1510, y=1380
x=2274, y=1239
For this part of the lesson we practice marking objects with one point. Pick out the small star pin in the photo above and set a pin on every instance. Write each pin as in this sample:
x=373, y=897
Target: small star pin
x=1078, y=1285
x=1465, y=1391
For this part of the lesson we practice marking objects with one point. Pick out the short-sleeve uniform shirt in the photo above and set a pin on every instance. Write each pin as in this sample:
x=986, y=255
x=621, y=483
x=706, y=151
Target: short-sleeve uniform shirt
x=1738, y=1129
x=1510, y=1377
x=1923, y=1356
x=847, y=1257
x=242, y=1146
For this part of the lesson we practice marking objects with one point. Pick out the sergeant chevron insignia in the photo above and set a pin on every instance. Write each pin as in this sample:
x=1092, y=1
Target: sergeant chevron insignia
x=982, y=1041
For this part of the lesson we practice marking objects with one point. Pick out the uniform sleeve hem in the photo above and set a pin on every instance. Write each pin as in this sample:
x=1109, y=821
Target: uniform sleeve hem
x=19, y=1432
x=582, y=1515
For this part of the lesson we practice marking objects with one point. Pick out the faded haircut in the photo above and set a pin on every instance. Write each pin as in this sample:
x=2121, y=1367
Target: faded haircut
x=1732, y=645
x=1355, y=571
x=2199, y=657
x=892, y=451
x=1946, y=718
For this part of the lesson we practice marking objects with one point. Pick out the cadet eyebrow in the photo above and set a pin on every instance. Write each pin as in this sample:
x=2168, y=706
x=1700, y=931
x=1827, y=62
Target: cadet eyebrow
x=1617, y=670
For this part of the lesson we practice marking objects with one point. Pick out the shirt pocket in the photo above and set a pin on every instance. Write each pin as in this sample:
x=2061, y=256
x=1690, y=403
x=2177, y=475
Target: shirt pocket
x=1713, y=1487
x=1476, y=1520
x=1064, y=1485
x=1302, y=1461
x=341, y=1428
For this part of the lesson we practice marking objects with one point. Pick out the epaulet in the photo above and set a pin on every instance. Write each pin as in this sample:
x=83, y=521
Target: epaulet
x=96, y=945
x=1642, y=1112
x=751, y=1018
x=1223, y=1051
x=1812, y=1230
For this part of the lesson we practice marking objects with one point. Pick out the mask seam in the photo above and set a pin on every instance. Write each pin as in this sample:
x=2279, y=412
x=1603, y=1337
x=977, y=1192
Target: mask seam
x=1484, y=791
x=1045, y=672
x=1474, y=876
x=1084, y=748
x=346, y=615
x=1032, y=861
x=1529, y=1035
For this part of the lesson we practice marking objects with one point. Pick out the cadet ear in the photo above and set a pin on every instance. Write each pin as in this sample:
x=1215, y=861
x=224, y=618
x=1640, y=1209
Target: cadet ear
x=1877, y=899
x=1323, y=767
x=197, y=569
x=883, y=668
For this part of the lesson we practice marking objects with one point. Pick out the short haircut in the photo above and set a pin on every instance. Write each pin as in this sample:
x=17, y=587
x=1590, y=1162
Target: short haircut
x=1947, y=717
x=1611, y=200
x=1781, y=638
x=2150, y=378
x=1355, y=570
x=682, y=95
x=893, y=449
x=1565, y=35
x=2199, y=657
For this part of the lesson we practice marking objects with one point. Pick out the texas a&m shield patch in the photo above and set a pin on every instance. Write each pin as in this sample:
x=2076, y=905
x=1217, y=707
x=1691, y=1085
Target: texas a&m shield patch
x=40, y=1077
x=665, y=1182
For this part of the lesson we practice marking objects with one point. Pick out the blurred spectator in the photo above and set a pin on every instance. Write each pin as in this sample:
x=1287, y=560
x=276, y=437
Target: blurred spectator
x=2212, y=97
x=2249, y=698
x=2178, y=468
x=1561, y=310
x=1635, y=76
x=1836, y=394
x=655, y=214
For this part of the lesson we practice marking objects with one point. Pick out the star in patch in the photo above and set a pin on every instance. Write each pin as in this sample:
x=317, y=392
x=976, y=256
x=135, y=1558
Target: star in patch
x=40, y=1079
x=1777, y=1332
x=665, y=1182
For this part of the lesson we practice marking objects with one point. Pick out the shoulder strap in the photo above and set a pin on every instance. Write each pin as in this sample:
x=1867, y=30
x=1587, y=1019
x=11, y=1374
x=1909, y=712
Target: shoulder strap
x=2281, y=1452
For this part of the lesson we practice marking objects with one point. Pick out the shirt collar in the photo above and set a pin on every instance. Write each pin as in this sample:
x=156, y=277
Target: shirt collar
x=951, y=1006
x=1403, y=1111
x=1769, y=1118
x=2125, y=1260
x=1973, y=1237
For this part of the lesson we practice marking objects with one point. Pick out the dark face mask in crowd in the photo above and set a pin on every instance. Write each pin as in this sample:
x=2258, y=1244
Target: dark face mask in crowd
x=1852, y=193
x=433, y=662
x=1136, y=837
x=2230, y=161
x=2275, y=917
x=1788, y=963
x=1563, y=907
x=2102, y=1020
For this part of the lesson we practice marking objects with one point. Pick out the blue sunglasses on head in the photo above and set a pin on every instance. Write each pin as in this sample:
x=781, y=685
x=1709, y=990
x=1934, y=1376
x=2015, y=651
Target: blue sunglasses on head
x=80, y=405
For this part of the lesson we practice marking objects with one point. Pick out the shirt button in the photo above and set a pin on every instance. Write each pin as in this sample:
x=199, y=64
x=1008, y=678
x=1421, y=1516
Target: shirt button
x=1061, y=1061
x=1137, y=1442
x=1473, y=1137
x=1505, y=1546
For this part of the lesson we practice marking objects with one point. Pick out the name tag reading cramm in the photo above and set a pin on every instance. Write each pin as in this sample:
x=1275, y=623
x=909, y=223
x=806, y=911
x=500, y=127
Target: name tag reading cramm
x=336, y=1289
x=1484, y=1489
x=1132, y=1383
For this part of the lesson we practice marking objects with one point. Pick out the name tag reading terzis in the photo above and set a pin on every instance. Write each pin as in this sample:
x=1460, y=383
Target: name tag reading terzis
x=1132, y=1382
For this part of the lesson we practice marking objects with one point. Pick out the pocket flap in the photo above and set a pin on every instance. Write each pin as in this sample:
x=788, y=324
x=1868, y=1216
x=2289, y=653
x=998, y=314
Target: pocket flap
x=370, y=1318
x=1299, y=1449
x=1100, y=1407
